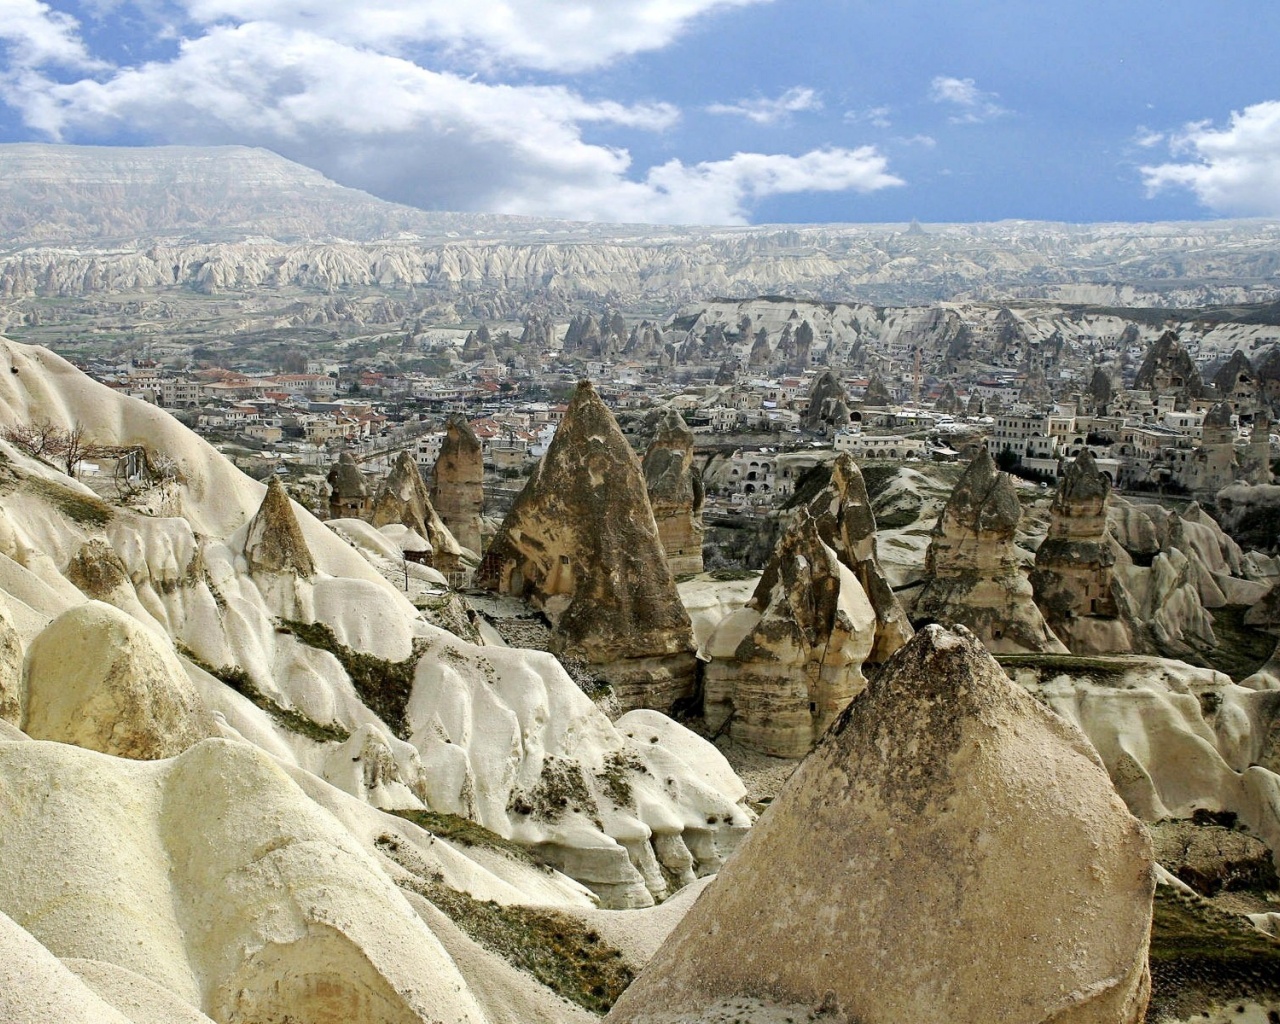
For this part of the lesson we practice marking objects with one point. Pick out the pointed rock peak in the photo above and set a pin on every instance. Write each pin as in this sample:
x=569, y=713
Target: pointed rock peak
x=404, y=480
x=274, y=542
x=843, y=510
x=1082, y=481
x=942, y=768
x=459, y=435
x=984, y=498
x=345, y=478
x=672, y=431
x=877, y=394
x=1218, y=416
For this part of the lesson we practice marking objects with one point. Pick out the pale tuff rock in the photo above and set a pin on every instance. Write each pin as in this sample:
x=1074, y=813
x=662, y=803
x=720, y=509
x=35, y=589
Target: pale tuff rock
x=97, y=678
x=1074, y=579
x=1251, y=514
x=1266, y=613
x=403, y=499
x=782, y=668
x=1175, y=739
x=1259, y=457
x=941, y=770
x=1213, y=465
x=97, y=570
x=348, y=492
x=581, y=543
x=274, y=541
x=11, y=655
x=675, y=493
x=828, y=408
x=877, y=394
x=847, y=524
x=457, y=486
x=973, y=576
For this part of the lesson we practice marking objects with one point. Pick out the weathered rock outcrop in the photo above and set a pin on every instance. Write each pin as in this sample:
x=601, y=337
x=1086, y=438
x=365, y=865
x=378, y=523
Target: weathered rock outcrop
x=457, y=485
x=675, y=493
x=877, y=394
x=274, y=542
x=951, y=851
x=828, y=408
x=403, y=499
x=580, y=542
x=11, y=655
x=1168, y=367
x=1074, y=579
x=847, y=524
x=348, y=492
x=972, y=573
x=783, y=667
x=95, y=677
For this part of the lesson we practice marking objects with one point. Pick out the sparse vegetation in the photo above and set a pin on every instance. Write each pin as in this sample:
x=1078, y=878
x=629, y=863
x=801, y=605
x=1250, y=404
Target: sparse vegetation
x=558, y=950
x=288, y=718
x=458, y=829
x=560, y=789
x=613, y=776
x=85, y=509
x=383, y=685
x=1102, y=670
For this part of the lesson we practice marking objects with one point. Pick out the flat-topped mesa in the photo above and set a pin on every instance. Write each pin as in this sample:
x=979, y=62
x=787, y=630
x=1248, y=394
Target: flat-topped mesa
x=828, y=407
x=847, y=524
x=952, y=850
x=274, y=541
x=972, y=573
x=457, y=486
x=1073, y=579
x=675, y=493
x=784, y=666
x=580, y=542
x=402, y=499
x=348, y=492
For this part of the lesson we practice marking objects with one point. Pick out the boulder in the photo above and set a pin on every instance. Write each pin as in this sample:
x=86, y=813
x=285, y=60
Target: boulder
x=581, y=543
x=675, y=493
x=95, y=677
x=972, y=573
x=952, y=850
x=457, y=485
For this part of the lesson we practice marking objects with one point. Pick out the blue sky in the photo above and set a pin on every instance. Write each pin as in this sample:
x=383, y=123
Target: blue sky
x=688, y=111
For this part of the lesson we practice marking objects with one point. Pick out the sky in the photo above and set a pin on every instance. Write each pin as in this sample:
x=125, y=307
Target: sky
x=688, y=111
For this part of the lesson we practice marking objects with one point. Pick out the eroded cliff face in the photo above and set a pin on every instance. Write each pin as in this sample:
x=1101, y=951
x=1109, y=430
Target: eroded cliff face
x=403, y=500
x=942, y=769
x=973, y=576
x=581, y=543
x=675, y=493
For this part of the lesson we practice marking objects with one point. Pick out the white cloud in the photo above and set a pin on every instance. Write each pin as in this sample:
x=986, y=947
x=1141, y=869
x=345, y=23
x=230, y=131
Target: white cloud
x=1146, y=138
x=926, y=141
x=428, y=138
x=973, y=105
x=771, y=111
x=877, y=117
x=556, y=35
x=1233, y=170
x=719, y=191
x=36, y=35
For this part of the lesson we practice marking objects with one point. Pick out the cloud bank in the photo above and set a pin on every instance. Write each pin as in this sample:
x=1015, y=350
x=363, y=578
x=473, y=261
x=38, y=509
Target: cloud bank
x=1233, y=170
x=416, y=102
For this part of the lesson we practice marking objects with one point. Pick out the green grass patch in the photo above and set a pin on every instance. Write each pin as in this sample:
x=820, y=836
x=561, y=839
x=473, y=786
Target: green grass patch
x=466, y=832
x=287, y=718
x=81, y=508
x=1201, y=956
x=1109, y=670
x=383, y=685
x=898, y=518
x=877, y=476
x=558, y=950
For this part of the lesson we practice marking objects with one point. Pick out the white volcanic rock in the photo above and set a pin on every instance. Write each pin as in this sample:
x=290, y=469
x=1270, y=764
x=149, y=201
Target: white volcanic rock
x=35, y=988
x=1175, y=739
x=11, y=655
x=951, y=851
x=97, y=678
x=139, y=998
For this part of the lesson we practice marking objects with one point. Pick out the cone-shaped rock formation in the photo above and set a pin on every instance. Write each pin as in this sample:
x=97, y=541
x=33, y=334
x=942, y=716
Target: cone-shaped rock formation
x=1074, y=578
x=457, y=488
x=971, y=570
x=403, y=499
x=828, y=407
x=580, y=542
x=952, y=850
x=274, y=542
x=348, y=492
x=675, y=493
